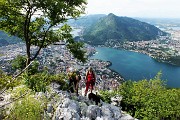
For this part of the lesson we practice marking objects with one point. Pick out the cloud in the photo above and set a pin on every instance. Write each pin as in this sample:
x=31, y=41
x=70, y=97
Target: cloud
x=135, y=8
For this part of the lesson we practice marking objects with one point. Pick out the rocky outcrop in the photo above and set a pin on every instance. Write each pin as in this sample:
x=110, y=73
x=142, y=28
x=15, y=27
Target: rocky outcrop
x=63, y=105
x=68, y=106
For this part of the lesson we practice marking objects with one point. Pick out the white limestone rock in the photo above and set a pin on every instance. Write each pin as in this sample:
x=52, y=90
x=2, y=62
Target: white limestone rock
x=116, y=100
x=66, y=114
x=93, y=112
x=83, y=107
x=111, y=111
x=49, y=108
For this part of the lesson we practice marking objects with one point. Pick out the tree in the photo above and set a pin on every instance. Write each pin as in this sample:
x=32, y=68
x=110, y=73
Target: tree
x=150, y=99
x=34, y=21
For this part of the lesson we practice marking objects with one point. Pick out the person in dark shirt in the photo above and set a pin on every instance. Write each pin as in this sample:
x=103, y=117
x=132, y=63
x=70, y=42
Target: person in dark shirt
x=74, y=78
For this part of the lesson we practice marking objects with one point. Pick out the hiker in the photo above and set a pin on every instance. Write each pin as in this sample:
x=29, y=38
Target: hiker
x=76, y=82
x=90, y=80
x=71, y=76
x=74, y=78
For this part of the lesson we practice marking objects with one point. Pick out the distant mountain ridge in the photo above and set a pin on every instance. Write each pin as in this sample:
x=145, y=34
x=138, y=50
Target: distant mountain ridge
x=120, y=29
x=6, y=40
x=85, y=21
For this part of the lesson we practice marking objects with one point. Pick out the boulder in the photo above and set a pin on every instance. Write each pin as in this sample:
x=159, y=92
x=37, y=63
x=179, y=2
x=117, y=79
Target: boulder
x=116, y=100
x=110, y=111
x=93, y=112
x=126, y=117
x=66, y=114
x=49, y=108
x=83, y=107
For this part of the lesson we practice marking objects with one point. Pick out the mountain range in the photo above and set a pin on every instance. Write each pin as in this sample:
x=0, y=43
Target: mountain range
x=100, y=28
x=112, y=27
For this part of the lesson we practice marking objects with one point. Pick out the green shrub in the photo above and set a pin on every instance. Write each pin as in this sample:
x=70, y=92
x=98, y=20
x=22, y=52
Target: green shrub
x=33, y=69
x=37, y=82
x=19, y=91
x=27, y=108
x=19, y=63
x=149, y=99
x=6, y=81
x=106, y=96
x=60, y=79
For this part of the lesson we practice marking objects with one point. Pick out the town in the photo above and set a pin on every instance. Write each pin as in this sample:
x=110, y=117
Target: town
x=163, y=49
x=57, y=59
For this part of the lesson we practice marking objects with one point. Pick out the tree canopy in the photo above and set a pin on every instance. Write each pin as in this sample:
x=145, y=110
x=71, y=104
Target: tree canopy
x=148, y=99
x=34, y=21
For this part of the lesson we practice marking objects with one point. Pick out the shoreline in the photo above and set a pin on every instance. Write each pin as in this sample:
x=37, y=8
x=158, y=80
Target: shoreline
x=114, y=65
x=113, y=74
x=156, y=59
x=145, y=53
x=122, y=79
x=110, y=64
x=148, y=54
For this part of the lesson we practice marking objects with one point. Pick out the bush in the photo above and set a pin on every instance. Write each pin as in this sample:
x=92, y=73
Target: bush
x=37, y=82
x=19, y=91
x=60, y=79
x=28, y=108
x=19, y=63
x=149, y=99
x=106, y=96
x=6, y=81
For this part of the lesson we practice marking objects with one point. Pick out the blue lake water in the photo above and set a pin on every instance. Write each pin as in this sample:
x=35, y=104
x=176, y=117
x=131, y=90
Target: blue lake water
x=136, y=66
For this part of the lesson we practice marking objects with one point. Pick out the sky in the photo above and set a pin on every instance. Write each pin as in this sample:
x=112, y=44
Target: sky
x=135, y=8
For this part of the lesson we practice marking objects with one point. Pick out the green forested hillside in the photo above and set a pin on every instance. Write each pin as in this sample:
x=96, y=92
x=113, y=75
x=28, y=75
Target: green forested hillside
x=121, y=29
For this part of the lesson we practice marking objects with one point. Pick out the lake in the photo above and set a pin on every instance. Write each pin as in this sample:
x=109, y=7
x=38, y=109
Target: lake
x=137, y=66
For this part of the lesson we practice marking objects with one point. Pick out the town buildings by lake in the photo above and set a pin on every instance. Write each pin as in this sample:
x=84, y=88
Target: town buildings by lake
x=57, y=58
x=163, y=49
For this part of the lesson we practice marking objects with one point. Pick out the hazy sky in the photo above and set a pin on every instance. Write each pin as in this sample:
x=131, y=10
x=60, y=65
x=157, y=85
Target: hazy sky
x=136, y=8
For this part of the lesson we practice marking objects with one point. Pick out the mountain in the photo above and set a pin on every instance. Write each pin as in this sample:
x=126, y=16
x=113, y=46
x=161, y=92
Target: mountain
x=120, y=29
x=6, y=40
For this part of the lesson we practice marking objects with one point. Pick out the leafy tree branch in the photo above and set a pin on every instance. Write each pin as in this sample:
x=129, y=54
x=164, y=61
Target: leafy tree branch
x=34, y=22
